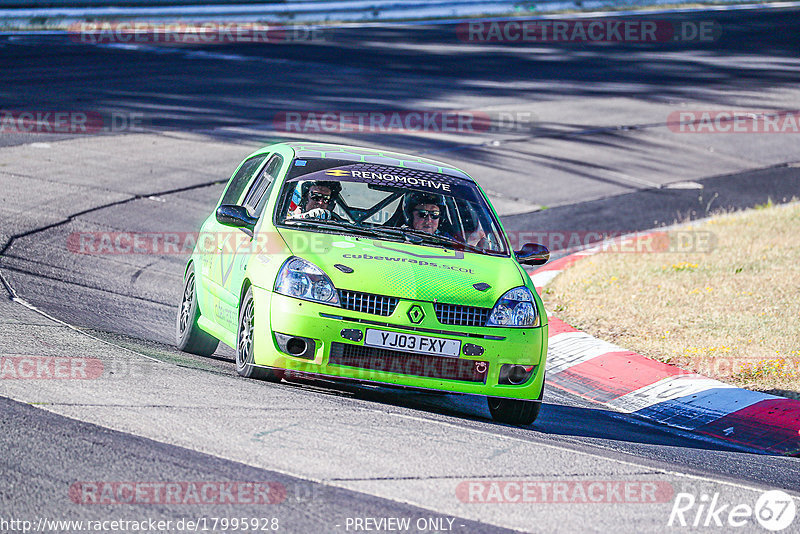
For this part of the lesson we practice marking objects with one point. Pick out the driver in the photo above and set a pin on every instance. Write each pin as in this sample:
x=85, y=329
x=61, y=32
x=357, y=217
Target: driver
x=317, y=200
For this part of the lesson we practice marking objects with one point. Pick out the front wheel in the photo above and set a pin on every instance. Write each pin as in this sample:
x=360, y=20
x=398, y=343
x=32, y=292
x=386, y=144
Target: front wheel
x=245, y=365
x=515, y=411
x=188, y=336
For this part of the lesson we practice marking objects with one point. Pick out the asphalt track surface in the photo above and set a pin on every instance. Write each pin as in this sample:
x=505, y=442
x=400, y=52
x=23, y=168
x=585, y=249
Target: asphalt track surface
x=597, y=155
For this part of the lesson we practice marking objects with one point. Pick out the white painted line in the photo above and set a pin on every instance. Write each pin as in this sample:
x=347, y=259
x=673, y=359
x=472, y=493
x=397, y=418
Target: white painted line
x=683, y=185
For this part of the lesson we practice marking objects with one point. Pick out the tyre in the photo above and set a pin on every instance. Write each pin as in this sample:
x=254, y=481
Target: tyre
x=244, y=344
x=515, y=411
x=188, y=336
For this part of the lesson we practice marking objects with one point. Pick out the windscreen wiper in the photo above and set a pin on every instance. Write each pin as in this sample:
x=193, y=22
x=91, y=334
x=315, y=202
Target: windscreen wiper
x=444, y=239
x=398, y=233
x=340, y=225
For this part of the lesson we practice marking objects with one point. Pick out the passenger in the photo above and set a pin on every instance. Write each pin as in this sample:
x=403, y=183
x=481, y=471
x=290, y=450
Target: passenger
x=473, y=231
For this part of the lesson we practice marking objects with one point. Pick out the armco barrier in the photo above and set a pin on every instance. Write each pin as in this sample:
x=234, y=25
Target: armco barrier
x=57, y=11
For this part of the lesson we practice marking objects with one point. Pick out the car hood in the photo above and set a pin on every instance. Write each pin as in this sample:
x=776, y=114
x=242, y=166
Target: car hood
x=405, y=270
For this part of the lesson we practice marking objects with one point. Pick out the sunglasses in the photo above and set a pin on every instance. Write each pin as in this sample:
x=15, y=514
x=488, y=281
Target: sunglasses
x=319, y=197
x=425, y=213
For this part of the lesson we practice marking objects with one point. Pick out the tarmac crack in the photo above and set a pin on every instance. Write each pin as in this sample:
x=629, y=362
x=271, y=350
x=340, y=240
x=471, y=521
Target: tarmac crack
x=85, y=286
x=137, y=196
x=135, y=276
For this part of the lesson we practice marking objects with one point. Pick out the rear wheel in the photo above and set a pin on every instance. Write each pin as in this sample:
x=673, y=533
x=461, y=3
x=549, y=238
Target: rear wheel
x=515, y=411
x=245, y=365
x=188, y=336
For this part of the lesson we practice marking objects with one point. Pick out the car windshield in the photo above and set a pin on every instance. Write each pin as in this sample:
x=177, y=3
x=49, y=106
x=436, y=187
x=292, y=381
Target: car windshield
x=394, y=203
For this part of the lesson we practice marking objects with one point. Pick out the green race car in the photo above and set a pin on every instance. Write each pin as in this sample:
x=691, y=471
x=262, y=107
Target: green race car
x=349, y=263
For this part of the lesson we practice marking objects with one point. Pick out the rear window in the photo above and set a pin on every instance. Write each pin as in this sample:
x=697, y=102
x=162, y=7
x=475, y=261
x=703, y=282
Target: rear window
x=239, y=182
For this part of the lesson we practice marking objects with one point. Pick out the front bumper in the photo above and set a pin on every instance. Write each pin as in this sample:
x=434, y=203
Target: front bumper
x=340, y=352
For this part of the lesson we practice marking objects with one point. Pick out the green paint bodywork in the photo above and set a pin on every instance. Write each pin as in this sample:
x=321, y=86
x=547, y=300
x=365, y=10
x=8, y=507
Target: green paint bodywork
x=416, y=274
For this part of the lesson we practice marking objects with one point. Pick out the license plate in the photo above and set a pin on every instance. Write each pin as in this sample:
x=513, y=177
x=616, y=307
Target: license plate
x=413, y=343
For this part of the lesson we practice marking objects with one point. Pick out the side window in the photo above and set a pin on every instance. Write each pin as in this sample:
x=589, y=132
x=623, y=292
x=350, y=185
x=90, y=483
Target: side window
x=241, y=179
x=257, y=196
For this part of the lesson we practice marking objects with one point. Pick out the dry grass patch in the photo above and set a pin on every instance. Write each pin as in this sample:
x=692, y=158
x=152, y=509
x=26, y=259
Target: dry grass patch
x=732, y=314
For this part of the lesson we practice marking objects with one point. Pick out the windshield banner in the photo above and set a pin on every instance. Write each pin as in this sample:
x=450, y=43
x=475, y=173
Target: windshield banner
x=382, y=175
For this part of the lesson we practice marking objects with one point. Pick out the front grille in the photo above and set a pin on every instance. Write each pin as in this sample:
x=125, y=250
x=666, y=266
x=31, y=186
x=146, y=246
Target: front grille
x=461, y=315
x=367, y=302
x=393, y=361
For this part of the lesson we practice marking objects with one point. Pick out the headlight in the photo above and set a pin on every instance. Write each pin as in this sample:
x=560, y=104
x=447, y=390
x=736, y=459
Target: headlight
x=515, y=308
x=301, y=279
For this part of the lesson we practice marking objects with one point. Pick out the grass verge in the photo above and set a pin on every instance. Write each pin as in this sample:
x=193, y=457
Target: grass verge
x=730, y=313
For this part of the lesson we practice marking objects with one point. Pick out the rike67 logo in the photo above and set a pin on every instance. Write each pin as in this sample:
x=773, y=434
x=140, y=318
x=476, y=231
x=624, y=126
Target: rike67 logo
x=774, y=510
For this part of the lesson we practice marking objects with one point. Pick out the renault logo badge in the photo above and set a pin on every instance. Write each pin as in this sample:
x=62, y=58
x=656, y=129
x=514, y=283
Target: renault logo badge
x=415, y=314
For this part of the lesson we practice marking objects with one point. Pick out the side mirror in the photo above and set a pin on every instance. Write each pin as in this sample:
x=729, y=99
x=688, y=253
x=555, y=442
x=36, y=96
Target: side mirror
x=235, y=216
x=532, y=254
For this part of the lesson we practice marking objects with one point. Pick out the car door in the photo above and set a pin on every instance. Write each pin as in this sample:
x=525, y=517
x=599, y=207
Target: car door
x=212, y=238
x=236, y=251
